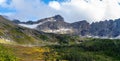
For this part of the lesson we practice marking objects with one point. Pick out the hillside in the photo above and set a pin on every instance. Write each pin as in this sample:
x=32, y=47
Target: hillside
x=19, y=43
x=16, y=34
x=92, y=50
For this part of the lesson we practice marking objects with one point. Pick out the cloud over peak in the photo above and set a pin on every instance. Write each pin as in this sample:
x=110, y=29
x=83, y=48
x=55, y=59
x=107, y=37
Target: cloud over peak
x=55, y=5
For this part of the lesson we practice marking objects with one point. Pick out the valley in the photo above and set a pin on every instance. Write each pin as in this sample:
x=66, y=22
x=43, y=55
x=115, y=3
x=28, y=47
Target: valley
x=59, y=30
x=19, y=43
x=91, y=50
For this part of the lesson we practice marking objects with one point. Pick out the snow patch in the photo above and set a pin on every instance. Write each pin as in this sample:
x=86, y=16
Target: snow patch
x=29, y=26
x=103, y=37
x=118, y=37
x=62, y=30
x=33, y=26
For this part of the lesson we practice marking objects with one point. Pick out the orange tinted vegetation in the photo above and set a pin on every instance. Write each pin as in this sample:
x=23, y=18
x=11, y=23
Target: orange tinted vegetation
x=35, y=53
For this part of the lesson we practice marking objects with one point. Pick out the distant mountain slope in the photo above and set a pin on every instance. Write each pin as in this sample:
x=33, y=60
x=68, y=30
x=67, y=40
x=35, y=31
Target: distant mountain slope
x=110, y=28
x=56, y=24
x=12, y=32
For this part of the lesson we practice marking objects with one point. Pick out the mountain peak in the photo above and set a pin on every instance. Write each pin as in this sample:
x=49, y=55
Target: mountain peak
x=58, y=18
x=16, y=21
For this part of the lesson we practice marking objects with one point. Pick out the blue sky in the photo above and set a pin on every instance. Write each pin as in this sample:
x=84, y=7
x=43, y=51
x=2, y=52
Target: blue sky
x=5, y=10
x=47, y=1
x=71, y=10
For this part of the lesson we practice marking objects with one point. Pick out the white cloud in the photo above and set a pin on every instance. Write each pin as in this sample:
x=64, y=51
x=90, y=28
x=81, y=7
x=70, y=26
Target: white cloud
x=91, y=10
x=2, y=1
x=74, y=10
x=4, y=4
x=7, y=14
x=27, y=10
x=55, y=5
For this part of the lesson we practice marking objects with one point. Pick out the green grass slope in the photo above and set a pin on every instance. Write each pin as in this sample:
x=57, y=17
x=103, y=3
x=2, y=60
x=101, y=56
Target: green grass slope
x=20, y=35
x=90, y=50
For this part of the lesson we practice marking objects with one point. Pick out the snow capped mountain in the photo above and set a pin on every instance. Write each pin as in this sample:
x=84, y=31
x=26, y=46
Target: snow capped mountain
x=56, y=24
x=53, y=24
x=33, y=25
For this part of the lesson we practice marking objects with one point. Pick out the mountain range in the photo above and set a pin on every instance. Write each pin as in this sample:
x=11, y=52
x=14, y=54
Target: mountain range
x=14, y=34
x=30, y=41
x=57, y=25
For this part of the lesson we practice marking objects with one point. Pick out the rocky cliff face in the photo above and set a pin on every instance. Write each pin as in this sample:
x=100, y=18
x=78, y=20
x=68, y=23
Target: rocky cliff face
x=108, y=28
x=81, y=28
x=56, y=24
